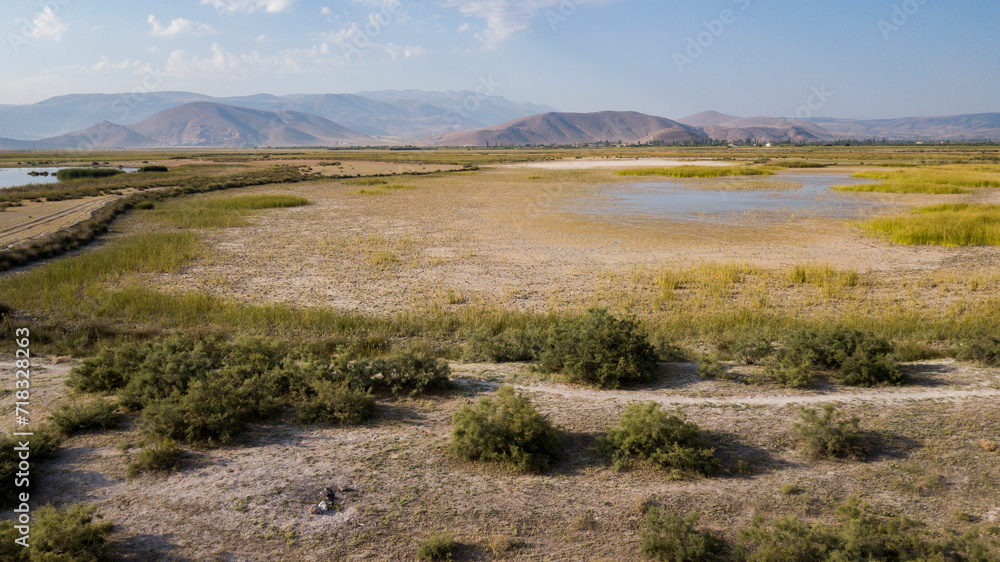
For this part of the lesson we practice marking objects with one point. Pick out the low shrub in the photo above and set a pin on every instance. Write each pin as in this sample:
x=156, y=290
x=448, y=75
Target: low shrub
x=828, y=435
x=599, y=349
x=77, y=417
x=859, y=358
x=665, y=536
x=486, y=345
x=796, y=376
x=42, y=445
x=109, y=370
x=710, y=368
x=68, y=533
x=986, y=352
x=752, y=350
x=144, y=206
x=68, y=174
x=330, y=402
x=858, y=534
x=505, y=428
x=406, y=372
x=162, y=456
x=647, y=433
x=167, y=367
x=438, y=546
x=154, y=168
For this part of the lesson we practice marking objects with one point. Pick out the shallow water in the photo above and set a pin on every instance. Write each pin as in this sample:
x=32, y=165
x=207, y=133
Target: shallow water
x=13, y=177
x=677, y=200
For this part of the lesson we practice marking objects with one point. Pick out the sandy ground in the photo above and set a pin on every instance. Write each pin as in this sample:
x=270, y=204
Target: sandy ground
x=595, y=164
x=253, y=501
x=34, y=219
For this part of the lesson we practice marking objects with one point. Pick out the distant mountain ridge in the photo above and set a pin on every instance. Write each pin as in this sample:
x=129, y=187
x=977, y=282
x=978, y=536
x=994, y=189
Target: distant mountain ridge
x=407, y=114
x=555, y=128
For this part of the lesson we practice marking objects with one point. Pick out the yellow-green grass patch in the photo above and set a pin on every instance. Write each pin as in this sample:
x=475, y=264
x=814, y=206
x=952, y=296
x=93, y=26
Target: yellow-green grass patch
x=698, y=171
x=959, y=224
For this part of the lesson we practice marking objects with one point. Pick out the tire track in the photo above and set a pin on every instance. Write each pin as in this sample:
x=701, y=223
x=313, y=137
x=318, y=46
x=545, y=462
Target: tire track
x=53, y=222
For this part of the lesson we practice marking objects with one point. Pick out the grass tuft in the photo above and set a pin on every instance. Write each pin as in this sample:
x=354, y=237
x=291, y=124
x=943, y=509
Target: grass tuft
x=961, y=224
x=698, y=171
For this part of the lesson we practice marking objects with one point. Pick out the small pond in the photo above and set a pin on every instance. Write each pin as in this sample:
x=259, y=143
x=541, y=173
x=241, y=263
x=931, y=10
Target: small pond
x=680, y=200
x=12, y=177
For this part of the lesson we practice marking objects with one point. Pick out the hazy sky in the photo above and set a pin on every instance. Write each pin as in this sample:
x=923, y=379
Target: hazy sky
x=843, y=58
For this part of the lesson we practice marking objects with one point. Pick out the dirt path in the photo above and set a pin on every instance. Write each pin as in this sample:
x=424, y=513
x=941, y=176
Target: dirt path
x=34, y=220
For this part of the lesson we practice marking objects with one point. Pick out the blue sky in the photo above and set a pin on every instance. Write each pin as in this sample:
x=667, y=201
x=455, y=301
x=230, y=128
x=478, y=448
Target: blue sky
x=849, y=58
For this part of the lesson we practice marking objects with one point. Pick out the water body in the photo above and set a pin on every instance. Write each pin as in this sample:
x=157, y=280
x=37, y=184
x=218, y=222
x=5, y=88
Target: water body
x=12, y=177
x=678, y=200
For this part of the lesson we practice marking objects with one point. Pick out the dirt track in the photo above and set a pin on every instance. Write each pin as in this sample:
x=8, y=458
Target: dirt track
x=34, y=220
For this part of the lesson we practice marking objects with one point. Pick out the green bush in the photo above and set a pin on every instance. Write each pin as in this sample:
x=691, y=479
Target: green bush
x=96, y=414
x=485, y=345
x=438, y=546
x=401, y=373
x=67, y=174
x=42, y=445
x=154, y=168
x=109, y=370
x=67, y=534
x=330, y=402
x=795, y=376
x=647, y=433
x=163, y=456
x=144, y=206
x=860, y=359
x=827, y=434
x=752, y=350
x=599, y=349
x=986, y=352
x=858, y=534
x=507, y=429
x=167, y=367
x=665, y=536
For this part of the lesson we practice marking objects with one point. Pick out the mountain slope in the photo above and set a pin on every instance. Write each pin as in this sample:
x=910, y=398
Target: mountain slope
x=102, y=135
x=977, y=126
x=219, y=125
x=573, y=128
x=707, y=119
x=768, y=129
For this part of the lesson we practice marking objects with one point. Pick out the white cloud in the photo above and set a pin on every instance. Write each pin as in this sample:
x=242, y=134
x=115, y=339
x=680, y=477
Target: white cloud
x=464, y=27
x=325, y=11
x=506, y=18
x=47, y=24
x=179, y=26
x=233, y=6
x=106, y=64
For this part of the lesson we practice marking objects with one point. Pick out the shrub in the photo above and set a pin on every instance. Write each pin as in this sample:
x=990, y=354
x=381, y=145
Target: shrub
x=109, y=370
x=96, y=414
x=986, y=352
x=167, y=366
x=792, y=376
x=599, y=349
x=335, y=403
x=144, y=206
x=67, y=174
x=647, y=433
x=858, y=534
x=43, y=445
x=827, y=434
x=163, y=456
x=861, y=359
x=665, y=536
x=710, y=368
x=154, y=169
x=438, y=546
x=58, y=534
x=505, y=428
x=502, y=346
x=752, y=350
x=402, y=372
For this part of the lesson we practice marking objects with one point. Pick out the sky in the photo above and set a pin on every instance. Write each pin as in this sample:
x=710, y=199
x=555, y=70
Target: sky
x=863, y=59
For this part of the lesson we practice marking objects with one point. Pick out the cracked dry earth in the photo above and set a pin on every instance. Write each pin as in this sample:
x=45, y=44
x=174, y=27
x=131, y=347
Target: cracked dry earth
x=252, y=501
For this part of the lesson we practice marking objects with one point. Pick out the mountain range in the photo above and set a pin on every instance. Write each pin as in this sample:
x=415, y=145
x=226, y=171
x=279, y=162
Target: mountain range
x=107, y=121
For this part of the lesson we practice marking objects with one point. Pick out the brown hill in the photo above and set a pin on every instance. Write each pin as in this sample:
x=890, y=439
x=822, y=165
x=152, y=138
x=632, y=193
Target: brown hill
x=219, y=125
x=767, y=129
x=573, y=128
x=707, y=119
x=102, y=135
